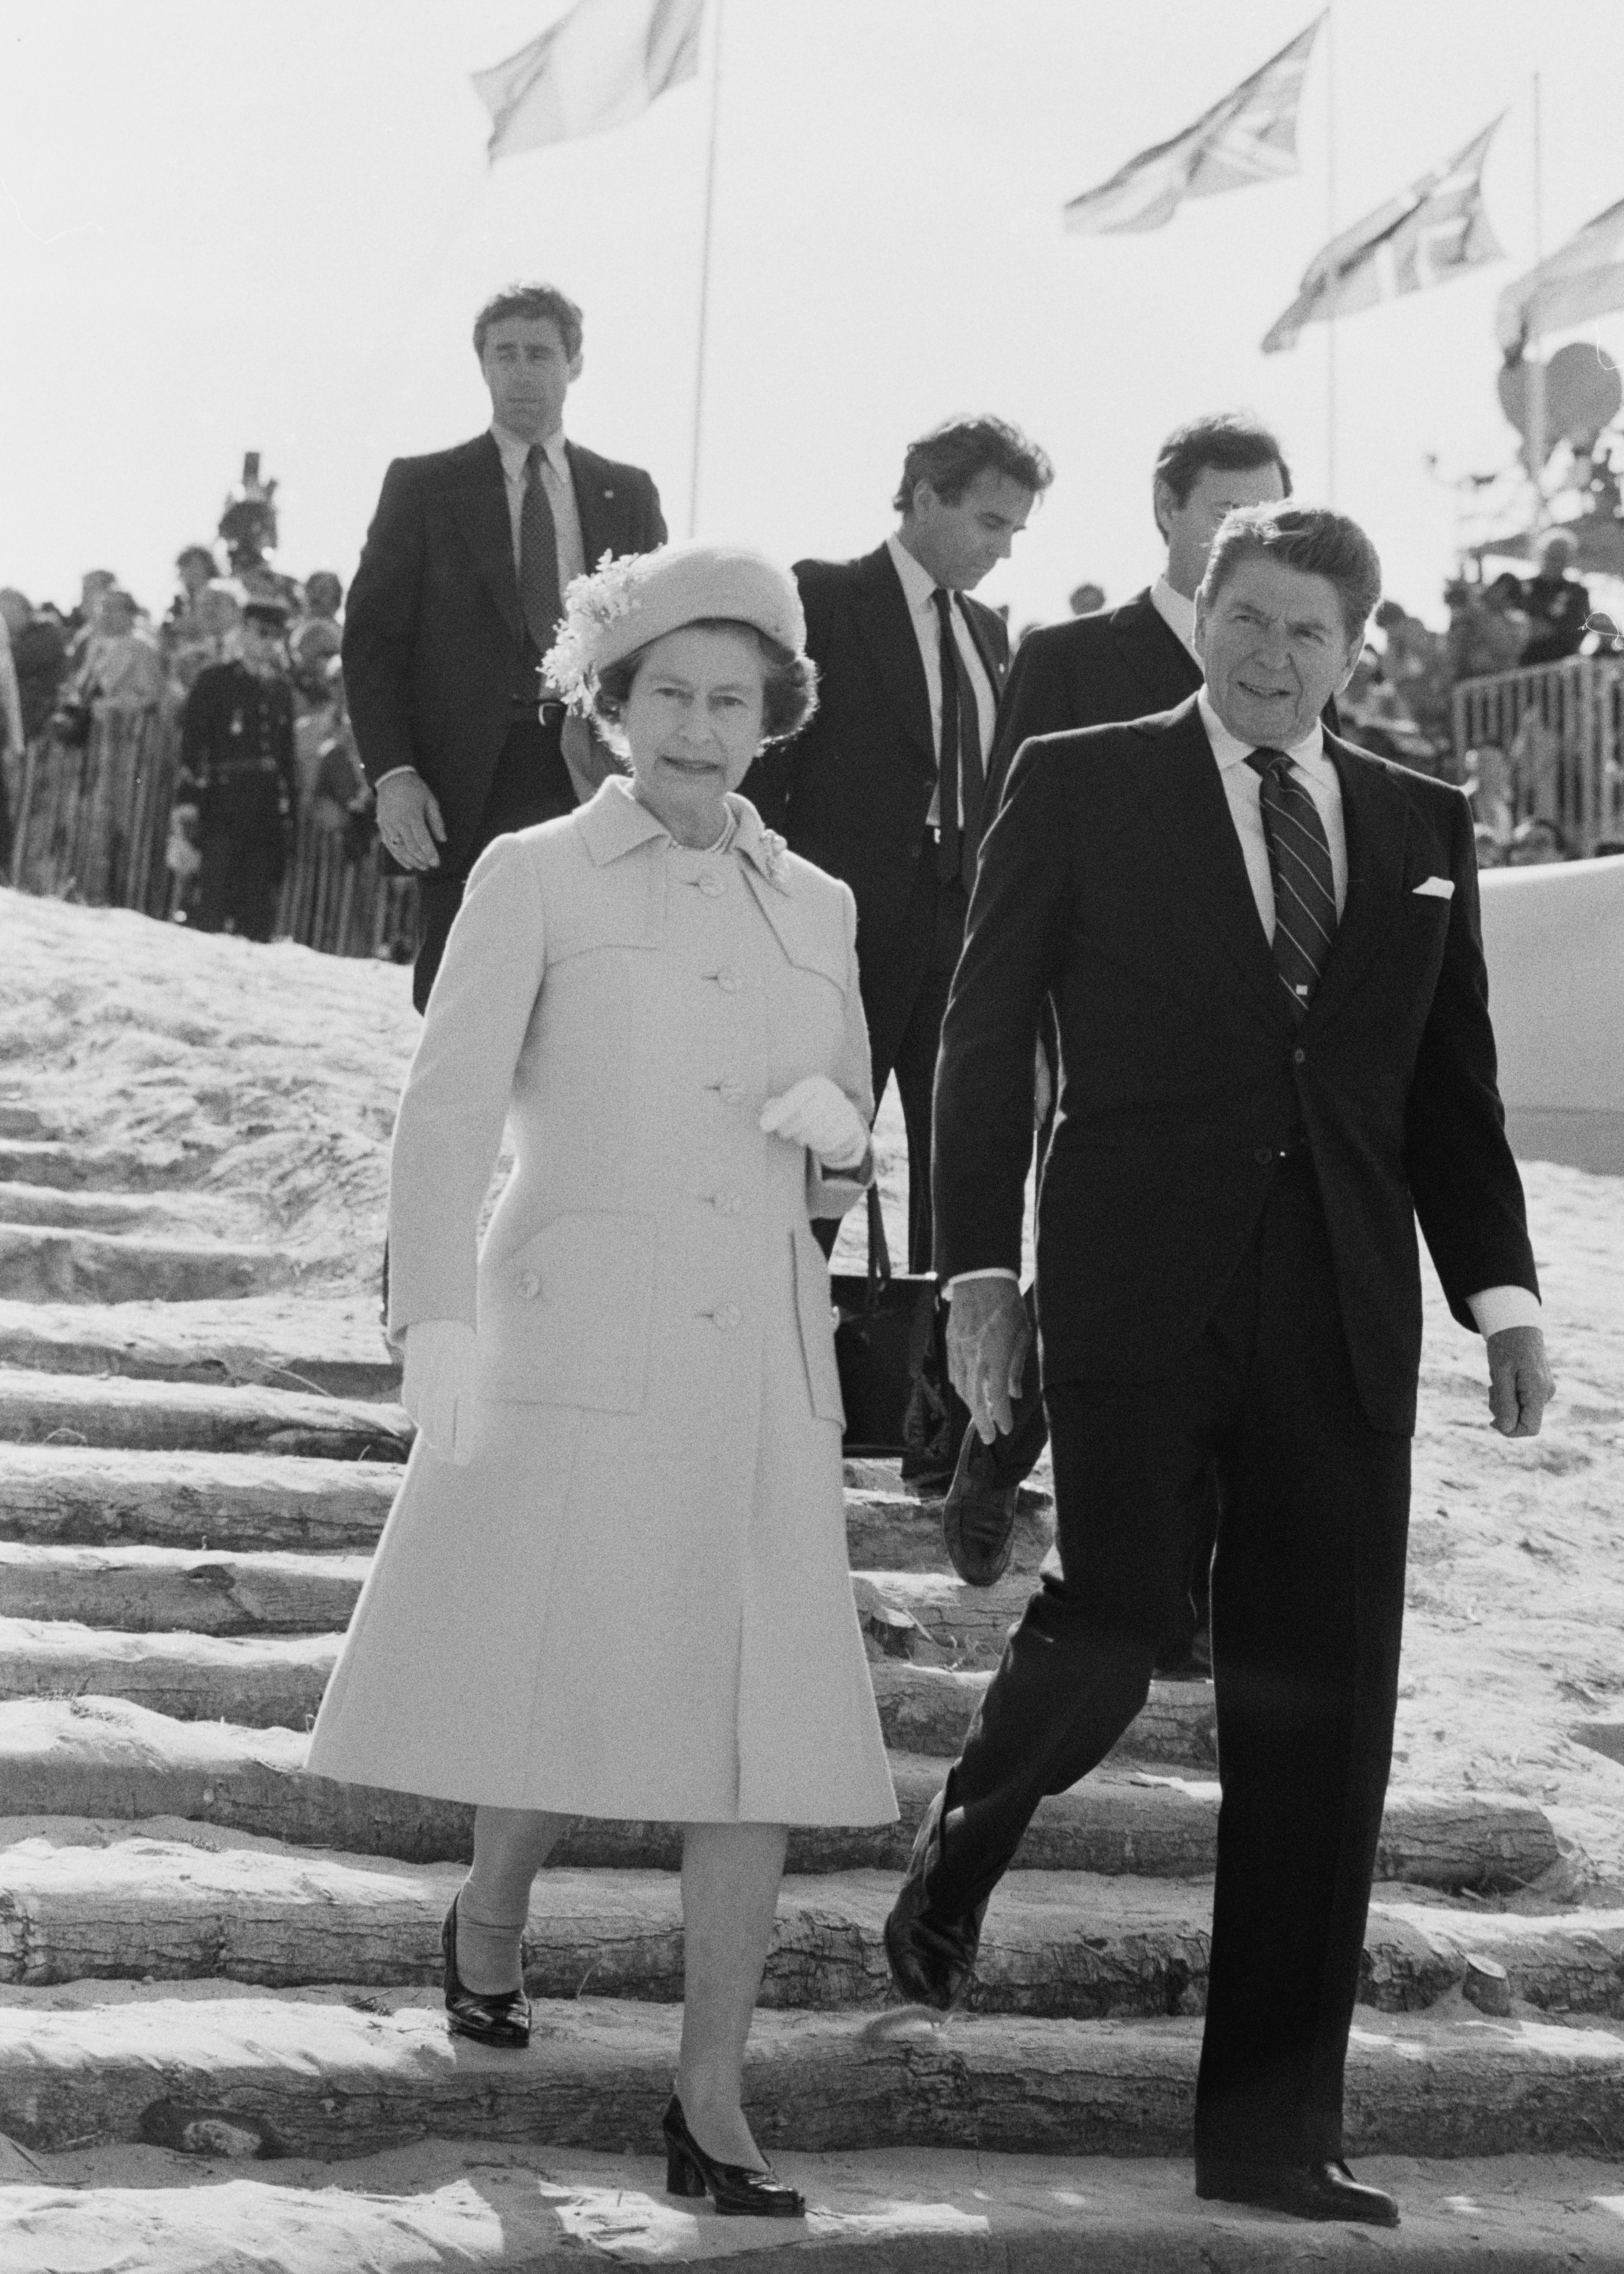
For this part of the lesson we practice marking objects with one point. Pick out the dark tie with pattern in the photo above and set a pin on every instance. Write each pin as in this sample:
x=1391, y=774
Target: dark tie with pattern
x=538, y=574
x=1305, y=887
x=959, y=761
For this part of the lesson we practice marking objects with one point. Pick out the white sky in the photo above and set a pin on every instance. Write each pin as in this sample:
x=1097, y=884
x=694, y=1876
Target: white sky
x=226, y=224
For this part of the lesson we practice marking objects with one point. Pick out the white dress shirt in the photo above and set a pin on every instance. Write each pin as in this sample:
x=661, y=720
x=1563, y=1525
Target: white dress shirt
x=1493, y=1307
x=1176, y=613
x=918, y=586
x=556, y=479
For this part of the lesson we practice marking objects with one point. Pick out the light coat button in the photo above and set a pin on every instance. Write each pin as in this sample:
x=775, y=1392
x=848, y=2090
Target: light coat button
x=731, y=1093
x=711, y=887
x=728, y=1318
x=529, y=1286
x=728, y=980
x=726, y=1203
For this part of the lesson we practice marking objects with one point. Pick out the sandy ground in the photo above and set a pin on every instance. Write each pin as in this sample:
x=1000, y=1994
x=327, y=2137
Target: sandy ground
x=287, y=1065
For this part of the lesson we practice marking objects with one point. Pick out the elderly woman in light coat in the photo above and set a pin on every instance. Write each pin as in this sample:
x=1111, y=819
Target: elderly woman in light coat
x=614, y=1582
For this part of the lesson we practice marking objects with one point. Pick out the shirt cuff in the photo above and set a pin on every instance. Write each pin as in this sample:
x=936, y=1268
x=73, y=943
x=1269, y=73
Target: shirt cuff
x=1499, y=1307
x=994, y=1271
x=379, y=784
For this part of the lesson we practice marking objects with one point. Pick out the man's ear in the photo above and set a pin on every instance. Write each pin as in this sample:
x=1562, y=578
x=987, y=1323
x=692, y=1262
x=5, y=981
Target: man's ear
x=1356, y=649
x=572, y=370
x=1162, y=503
x=1197, y=635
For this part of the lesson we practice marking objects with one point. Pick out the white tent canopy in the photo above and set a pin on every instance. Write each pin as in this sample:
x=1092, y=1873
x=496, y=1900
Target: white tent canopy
x=1554, y=941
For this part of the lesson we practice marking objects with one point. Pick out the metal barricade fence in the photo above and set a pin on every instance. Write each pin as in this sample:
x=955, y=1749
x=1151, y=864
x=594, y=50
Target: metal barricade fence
x=1569, y=720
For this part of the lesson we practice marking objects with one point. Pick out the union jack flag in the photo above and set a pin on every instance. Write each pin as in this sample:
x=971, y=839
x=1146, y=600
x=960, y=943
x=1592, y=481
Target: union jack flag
x=1424, y=236
x=1249, y=135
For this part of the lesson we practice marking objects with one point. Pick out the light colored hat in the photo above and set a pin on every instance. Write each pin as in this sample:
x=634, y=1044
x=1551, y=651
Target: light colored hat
x=626, y=603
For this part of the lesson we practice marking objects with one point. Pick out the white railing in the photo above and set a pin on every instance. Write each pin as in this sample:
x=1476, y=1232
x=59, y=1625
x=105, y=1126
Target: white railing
x=1562, y=726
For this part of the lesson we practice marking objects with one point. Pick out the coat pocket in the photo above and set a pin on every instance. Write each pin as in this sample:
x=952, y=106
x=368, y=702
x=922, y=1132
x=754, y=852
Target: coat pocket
x=814, y=1310
x=566, y=1316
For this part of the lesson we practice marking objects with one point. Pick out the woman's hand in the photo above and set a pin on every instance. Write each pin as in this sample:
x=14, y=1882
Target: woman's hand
x=437, y=1386
x=818, y=1114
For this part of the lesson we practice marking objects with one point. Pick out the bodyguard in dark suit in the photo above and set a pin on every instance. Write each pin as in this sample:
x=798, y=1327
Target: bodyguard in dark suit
x=456, y=600
x=1263, y=951
x=887, y=786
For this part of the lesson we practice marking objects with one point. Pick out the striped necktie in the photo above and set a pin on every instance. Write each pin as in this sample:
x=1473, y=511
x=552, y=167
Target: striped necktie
x=1300, y=865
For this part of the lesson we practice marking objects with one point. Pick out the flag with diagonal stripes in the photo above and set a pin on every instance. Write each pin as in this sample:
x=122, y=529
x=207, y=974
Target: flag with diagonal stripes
x=1428, y=233
x=1249, y=135
x=597, y=66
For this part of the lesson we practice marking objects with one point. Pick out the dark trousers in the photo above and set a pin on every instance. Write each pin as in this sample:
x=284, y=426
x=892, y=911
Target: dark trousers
x=242, y=856
x=1307, y=1607
x=905, y=974
x=532, y=783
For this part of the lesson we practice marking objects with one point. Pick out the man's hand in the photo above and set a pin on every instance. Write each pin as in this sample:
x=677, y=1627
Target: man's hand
x=1521, y=1383
x=408, y=820
x=988, y=1336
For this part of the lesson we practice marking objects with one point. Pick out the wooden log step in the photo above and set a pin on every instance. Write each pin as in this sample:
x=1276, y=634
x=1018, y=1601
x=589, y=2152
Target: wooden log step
x=67, y=1408
x=889, y=2210
x=928, y=1709
x=100, y=1168
x=242, y=1646
x=41, y=1264
x=104, y=1757
x=326, y=1345
x=258, y=1682
x=18, y=1120
x=90, y=1495
x=151, y=1212
x=153, y=1906
x=178, y=1590
x=892, y=1531
x=292, y=2075
x=970, y=1625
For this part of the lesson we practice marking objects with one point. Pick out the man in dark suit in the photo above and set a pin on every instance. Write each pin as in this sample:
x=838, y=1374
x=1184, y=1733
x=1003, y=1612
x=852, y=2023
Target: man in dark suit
x=1102, y=670
x=456, y=600
x=887, y=786
x=1263, y=950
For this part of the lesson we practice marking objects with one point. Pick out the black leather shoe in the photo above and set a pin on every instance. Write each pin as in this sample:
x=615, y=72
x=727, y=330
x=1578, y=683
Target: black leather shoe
x=1306, y=2190
x=500, y=2017
x=736, y=2191
x=931, y=1957
x=978, y=1516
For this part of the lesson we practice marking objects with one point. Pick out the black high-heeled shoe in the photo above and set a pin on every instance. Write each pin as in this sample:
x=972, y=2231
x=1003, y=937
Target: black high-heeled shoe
x=500, y=2017
x=737, y=2191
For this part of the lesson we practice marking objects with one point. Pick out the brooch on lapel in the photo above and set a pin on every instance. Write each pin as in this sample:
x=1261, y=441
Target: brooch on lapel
x=773, y=849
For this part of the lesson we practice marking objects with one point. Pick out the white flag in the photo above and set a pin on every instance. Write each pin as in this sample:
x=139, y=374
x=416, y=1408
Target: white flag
x=1249, y=135
x=1580, y=279
x=1424, y=236
x=604, y=63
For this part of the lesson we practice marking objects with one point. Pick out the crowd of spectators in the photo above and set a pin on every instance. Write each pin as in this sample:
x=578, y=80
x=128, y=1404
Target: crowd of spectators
x=61, y=670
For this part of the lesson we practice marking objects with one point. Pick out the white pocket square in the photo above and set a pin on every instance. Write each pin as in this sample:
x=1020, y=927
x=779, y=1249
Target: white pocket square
x=1436, y=888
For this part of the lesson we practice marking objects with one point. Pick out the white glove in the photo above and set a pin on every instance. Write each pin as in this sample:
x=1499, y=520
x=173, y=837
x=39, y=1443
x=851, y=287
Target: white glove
x=437, y=1386
x=818, y=1114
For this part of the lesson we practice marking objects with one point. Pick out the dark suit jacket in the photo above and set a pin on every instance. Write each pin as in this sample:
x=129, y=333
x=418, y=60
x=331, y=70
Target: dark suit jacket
x=1096, y=671
x=433, y=635
x=851, y=791
x=1113, y=883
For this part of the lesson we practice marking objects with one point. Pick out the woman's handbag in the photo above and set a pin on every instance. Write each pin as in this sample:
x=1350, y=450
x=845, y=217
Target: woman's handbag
x=882, y=1331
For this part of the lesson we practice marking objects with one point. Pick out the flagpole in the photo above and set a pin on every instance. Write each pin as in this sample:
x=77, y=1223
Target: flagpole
x=1537, y=369
x=1330, y=238
x=704, y=274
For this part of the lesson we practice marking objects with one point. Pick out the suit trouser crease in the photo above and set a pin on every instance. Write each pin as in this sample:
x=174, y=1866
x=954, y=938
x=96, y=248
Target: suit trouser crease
x=1307, y=1612
x=906, y=977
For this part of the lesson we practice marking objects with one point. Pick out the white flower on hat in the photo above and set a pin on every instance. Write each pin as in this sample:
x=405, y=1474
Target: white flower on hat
x=591, y=603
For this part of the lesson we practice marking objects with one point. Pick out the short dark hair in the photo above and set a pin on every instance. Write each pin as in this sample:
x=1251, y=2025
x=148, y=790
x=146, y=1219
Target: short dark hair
x=952, y=454
x=1308, y=537
x=1232, y=440
x=533, y=300
x=789, y=682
